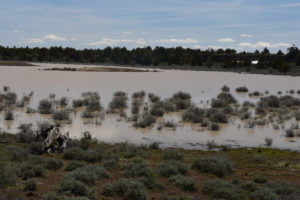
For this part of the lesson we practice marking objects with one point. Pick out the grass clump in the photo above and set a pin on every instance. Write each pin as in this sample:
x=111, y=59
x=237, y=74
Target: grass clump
x=170, y=168
x=219, y=189
x=185, y=183
x=127, y=188
x=217, y=165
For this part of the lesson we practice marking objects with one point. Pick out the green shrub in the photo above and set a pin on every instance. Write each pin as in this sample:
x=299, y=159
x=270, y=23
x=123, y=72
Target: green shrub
x=45, y=106
x=111, y=161
x=181, y=100
x=194, y=115
x=61, y=115
x=226, y=97
x=153, y=98
x=7, y=174
x=30, y=171
x=260, y=179
x=219, y=117
x=26, y=134
x=9, y=115
x=74, y=164
x=171, y=168
x=63, y=101
x=139, y=169
x=145, y=121
x=77, y=103
x=154, y=145
x=73, y=186
x=55, y=196
x=225, y=88
x=157, y=110
x=217, y=165
x=263, y=193
x=86, y=140
x=140, y=94
x=16, y=153
x=219, y=189
x=129, y=151
x=30, y=185
x=53, y=164
x=172, y=154
x=249, y=186
x=89, y=174
x=214, y=126
x=242, y=89
x=126, y=188
x=185, y=183
x=35, y=148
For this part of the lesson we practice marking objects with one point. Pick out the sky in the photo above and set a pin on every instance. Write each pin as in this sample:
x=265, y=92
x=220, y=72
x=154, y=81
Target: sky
x=239, y=24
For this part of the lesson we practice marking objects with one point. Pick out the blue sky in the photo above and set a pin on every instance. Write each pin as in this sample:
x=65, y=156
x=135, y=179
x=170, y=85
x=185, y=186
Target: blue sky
x=240, y=24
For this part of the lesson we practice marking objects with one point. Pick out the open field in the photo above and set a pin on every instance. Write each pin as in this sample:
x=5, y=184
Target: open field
x=150, y=172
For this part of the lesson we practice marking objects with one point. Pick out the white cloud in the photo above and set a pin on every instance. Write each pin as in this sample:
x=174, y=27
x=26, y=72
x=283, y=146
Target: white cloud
x=53, y=38
x=197, y=46
x=127, y=32
x=110, y=42
x=35, y=41
x=264, y=44
x=141, y=42
x=246, y=35
x=176, y=41
x=226, y=40
x=114, y=42
x=16, y=31
x=49, y=37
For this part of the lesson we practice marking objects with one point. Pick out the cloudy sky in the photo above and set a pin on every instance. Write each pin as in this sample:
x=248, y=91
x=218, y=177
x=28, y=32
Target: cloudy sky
x=240, y=24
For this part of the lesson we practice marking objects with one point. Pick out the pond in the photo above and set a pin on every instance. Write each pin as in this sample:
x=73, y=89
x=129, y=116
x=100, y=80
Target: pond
x=203, y=86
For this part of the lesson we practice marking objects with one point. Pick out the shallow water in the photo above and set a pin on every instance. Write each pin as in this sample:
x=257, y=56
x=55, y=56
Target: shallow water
x=201, y=85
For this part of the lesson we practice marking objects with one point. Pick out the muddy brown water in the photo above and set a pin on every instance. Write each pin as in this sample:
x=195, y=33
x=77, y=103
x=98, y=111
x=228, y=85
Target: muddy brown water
x=201, y=85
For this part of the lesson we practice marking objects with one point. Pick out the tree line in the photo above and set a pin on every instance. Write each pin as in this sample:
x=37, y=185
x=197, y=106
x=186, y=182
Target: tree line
x=159, y=56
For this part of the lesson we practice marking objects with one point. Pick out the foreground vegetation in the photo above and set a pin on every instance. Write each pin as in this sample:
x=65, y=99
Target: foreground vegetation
x=179, y=58
x=88, y=169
